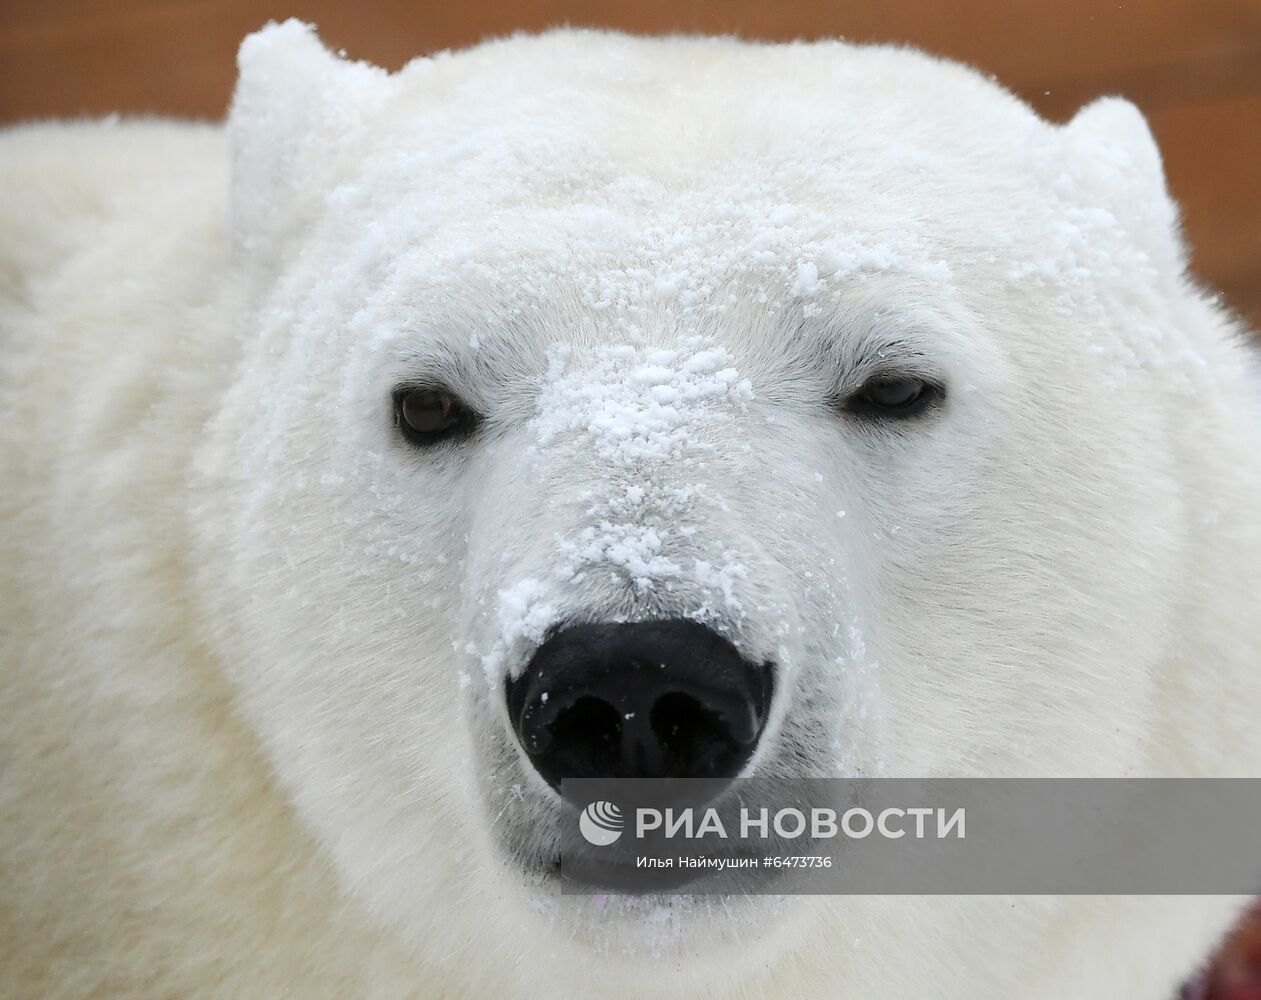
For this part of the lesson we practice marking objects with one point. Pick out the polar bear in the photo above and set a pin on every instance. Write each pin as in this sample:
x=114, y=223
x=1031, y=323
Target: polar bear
x=319, y=429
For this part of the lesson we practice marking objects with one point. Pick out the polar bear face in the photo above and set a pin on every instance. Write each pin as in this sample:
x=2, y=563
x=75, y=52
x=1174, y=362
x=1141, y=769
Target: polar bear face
x=839, y=353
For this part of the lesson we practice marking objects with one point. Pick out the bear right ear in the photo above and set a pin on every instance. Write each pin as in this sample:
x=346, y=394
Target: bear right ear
x=1110, y=141
x=295, y=106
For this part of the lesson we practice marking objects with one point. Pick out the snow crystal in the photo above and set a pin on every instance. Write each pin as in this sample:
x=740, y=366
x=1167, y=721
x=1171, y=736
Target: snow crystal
x=723, y=578
x=807, y=284
x=635, y=548
x=635, y=404
x=783, y=215
x=524, y=613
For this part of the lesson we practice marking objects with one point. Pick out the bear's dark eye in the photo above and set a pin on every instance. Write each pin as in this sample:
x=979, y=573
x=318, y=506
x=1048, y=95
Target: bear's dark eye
x=429, y=416
x=894, y=397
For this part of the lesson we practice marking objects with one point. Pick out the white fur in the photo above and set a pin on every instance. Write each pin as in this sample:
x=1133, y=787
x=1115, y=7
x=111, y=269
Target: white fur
x=252, y=736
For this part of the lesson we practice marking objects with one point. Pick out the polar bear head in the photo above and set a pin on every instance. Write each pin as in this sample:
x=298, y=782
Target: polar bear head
x=830, y=371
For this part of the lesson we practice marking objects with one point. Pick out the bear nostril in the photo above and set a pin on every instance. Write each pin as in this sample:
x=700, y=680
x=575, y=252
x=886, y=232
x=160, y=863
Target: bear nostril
x=690, y=735
x=589, y=730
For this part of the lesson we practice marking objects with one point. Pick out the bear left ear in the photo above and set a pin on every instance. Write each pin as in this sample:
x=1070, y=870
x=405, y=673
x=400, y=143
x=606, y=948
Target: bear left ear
x=295, y=106
x=1113, y=147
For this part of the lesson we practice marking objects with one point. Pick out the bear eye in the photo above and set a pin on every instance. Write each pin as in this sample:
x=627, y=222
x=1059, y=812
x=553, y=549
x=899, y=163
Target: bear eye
x=897, y=397
x=427, y=416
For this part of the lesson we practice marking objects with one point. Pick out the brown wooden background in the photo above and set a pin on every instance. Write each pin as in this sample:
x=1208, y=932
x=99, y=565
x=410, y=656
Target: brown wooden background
x=1194, y=66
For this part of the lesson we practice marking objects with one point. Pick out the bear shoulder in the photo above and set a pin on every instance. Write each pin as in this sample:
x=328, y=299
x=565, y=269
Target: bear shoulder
x=66, y=188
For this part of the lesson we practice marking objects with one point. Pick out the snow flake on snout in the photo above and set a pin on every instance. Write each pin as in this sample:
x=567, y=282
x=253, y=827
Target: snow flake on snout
x=635, y=404
x=635, y=419
x=633, y=548
x=640, y=414
x=524, y=612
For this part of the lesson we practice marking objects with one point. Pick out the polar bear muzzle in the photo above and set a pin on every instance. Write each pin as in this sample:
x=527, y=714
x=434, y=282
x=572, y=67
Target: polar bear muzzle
x=650, y=699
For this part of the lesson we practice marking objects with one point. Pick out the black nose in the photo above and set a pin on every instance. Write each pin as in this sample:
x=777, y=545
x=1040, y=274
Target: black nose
x=639, y=700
